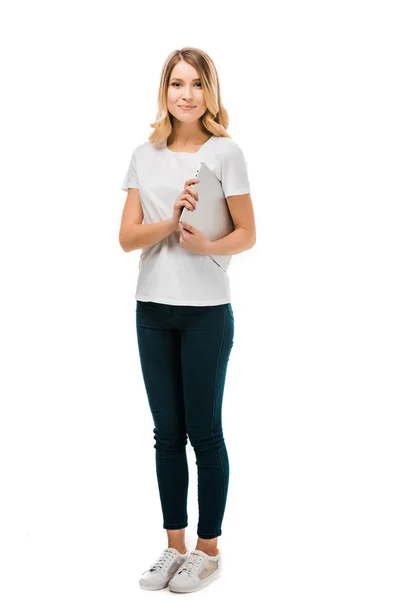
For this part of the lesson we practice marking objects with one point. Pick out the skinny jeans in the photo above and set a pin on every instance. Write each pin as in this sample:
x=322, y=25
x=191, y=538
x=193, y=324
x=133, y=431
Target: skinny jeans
x=184, y=353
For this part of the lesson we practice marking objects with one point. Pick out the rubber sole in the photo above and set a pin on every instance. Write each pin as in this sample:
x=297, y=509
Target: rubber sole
x=199, y=586
x=147, y=586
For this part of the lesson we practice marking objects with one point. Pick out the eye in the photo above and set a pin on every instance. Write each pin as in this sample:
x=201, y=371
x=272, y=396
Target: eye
x=177, y=83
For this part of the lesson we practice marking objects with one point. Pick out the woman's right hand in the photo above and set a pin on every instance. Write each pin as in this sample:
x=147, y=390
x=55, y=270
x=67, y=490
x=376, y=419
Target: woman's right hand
x=187, y=199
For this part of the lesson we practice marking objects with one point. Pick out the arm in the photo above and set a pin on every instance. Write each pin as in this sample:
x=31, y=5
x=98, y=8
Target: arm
x=135, y=234
x=237, y=241
x=146, y=234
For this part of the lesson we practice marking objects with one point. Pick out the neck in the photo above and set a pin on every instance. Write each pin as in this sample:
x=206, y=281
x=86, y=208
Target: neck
x=188, y=133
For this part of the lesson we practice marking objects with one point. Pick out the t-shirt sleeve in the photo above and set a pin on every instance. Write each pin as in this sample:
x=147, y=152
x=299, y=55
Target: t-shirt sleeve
x=131, y=178
x=234, y=172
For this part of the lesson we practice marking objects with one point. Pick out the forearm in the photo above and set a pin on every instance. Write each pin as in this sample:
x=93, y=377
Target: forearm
x=145, y=234
x=235, y=242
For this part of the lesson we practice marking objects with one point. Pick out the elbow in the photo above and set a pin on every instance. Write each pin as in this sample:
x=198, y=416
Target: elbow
x=127, y=248
x=251, y=237
x=127, y=238
x=125, y=241
x=252, y=240
x=124, y=245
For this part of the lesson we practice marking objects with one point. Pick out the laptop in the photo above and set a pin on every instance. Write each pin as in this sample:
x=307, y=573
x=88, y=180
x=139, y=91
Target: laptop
x=212, y=216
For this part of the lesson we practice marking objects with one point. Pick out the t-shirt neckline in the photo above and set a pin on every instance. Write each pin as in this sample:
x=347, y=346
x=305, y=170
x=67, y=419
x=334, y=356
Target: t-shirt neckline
x=197, y=151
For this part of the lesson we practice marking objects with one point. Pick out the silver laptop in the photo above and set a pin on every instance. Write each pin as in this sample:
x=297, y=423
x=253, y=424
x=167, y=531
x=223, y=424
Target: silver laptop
x=212, y=216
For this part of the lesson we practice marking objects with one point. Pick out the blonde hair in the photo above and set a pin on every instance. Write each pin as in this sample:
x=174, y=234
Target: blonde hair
x=215, y=118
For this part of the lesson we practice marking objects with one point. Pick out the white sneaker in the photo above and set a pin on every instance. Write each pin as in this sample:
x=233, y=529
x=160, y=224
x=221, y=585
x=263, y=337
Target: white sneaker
x=198, y=570
x=165, y=567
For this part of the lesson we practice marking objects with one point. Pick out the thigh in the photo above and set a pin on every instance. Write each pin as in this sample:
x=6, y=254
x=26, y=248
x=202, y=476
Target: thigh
x=206, y=344
x=160, y=359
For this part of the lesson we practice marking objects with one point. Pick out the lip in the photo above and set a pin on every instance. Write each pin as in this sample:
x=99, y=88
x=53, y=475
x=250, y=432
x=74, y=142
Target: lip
x=183, y=107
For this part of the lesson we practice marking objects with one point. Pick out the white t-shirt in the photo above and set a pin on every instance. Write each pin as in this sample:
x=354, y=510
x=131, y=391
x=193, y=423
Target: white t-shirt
x=169, y=273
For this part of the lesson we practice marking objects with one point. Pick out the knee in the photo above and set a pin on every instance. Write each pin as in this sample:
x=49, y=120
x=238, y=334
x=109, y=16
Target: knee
x=170, y=440
x=206, y=444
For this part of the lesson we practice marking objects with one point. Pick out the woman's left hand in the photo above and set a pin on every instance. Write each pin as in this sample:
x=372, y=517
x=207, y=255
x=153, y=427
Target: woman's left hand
x=193, y=239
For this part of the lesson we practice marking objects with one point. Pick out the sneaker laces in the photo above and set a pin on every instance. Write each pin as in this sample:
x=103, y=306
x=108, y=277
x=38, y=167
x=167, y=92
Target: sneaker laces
x=163, y=561
x=191, y=563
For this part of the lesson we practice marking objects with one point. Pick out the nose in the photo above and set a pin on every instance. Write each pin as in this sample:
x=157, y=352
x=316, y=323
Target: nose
x=186, y=94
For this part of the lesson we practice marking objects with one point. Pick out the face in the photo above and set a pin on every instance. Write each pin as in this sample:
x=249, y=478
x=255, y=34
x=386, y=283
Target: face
x=185, y=89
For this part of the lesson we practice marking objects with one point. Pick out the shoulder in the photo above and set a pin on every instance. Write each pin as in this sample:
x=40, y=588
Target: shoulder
x=143, y=149
x=230, y=155
x=225, y=142
x=142, y=155
x=227, y=147
x=228, y=163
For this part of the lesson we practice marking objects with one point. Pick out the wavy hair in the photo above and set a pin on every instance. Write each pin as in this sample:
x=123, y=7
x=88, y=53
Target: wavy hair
x=215, y=118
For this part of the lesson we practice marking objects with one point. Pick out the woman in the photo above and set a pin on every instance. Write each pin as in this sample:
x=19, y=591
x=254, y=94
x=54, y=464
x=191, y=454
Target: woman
x=184, y=319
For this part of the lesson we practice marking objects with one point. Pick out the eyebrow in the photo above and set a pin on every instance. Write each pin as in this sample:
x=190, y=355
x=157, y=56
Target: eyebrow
x=178, y=79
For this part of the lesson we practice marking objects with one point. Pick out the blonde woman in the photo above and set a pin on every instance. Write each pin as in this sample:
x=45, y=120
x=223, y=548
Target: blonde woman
x=184, y=318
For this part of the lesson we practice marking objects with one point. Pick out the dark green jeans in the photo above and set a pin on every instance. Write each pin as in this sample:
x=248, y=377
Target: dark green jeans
x=184, y=353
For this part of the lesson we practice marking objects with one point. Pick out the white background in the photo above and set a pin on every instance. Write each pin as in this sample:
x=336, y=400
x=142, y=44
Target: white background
x=311, y=400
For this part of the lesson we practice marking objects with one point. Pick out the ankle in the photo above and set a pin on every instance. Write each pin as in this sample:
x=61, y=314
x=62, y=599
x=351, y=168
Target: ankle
x=209, y=551
x=180, y=549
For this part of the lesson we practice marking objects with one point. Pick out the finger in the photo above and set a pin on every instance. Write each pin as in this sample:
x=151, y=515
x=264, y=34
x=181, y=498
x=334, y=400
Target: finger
x=192, y=181
x=194, y=193
x=190, y=227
